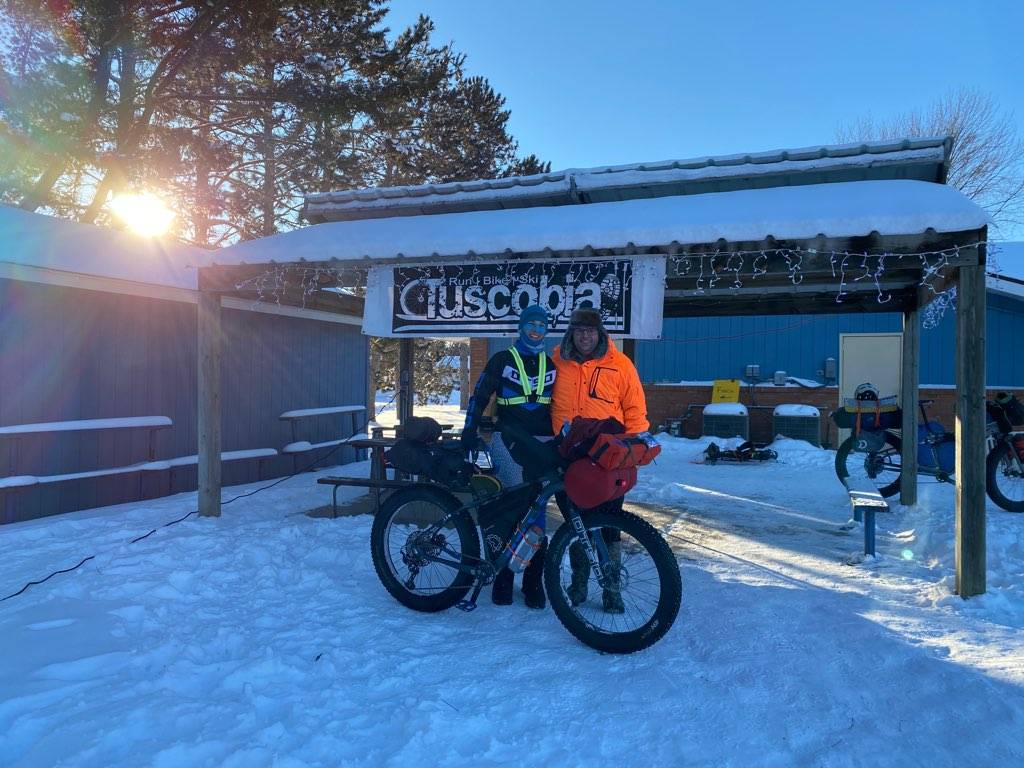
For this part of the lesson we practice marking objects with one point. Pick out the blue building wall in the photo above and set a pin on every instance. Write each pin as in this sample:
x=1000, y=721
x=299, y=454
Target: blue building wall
x=720, y=348
x=73, y=354
x=704, y=348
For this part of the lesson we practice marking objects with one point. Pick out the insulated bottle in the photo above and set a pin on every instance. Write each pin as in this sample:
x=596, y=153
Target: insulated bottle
x=524, y=546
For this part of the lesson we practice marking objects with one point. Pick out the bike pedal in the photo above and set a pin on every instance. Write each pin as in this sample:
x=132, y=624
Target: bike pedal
x=466, y=605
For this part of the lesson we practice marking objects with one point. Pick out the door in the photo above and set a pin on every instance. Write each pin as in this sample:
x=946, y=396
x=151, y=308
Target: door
x=869, y=357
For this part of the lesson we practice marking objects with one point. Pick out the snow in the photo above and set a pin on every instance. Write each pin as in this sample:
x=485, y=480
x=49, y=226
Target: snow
x=301, y=446
x=566, y=185
x=725, y=409
x=794, y=409
x=898, y=207
x=130, y=422
x=263, y=637
x=305, y=412
x=34, y=240
x=1006, y=268
x=250, y=453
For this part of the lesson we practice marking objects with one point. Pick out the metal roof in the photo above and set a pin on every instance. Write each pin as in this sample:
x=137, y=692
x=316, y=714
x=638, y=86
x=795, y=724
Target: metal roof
x=916, y=159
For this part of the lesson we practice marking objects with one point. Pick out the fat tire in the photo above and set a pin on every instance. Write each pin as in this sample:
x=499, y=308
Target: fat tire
x=469, y=541
x=992, y=480
x=846, y=451
x=668, y=572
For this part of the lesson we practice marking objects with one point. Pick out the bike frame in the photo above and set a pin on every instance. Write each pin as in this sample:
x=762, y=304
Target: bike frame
x=993, y=437
x=488, y=567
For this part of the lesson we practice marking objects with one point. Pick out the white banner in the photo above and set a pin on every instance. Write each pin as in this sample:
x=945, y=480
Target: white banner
x=485, y=298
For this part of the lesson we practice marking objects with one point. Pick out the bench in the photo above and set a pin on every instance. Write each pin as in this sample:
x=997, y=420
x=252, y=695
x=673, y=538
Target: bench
x=297, y=446
x=865, y=500
x=19, y=431
x=152, y=423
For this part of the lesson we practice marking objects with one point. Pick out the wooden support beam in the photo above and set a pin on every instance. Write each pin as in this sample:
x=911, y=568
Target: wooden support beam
x=970, y=431
x=628, y=348
x=405, y=379
x=910, y=380
x=209, y=411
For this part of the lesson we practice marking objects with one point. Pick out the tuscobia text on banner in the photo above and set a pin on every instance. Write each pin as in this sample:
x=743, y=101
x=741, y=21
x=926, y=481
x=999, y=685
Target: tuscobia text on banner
x=485, y=298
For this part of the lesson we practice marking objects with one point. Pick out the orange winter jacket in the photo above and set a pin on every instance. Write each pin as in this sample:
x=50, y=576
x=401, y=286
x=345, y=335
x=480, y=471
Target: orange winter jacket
x=597, y=389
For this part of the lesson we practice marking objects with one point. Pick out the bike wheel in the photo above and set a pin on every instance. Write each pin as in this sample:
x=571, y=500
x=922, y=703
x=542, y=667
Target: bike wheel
x=647, y=575
x=879, y=468
x=401, y=545
x=1003, y=479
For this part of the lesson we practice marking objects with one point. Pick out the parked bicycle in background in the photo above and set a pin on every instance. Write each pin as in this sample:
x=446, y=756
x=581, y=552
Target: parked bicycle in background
x=873, y=450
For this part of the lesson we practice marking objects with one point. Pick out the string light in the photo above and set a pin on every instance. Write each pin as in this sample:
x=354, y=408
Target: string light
x=704, y=269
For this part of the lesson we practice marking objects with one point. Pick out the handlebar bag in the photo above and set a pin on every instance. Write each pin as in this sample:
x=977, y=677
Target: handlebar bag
x=442, y=464
x=629, y=450
x=590, y=485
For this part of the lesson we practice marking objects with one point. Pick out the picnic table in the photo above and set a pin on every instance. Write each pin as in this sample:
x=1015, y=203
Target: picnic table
x=378, y=479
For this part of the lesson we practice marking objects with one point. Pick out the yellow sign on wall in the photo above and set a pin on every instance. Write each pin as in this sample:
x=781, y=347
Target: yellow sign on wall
x=726, y=391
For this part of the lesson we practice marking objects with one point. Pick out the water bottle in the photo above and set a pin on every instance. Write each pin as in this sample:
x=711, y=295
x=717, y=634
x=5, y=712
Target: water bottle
x=524, y=546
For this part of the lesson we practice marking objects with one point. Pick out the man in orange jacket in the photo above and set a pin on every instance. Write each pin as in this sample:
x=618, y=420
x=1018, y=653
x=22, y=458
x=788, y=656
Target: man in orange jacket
x=595, y=381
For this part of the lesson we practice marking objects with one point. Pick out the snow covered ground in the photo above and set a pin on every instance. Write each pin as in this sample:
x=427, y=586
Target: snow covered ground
x=263, y=638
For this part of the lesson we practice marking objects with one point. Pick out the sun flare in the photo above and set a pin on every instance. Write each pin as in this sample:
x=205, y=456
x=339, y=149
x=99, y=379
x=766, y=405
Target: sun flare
x=145, y=213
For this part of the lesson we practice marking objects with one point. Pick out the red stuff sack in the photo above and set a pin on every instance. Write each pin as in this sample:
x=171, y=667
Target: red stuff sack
x=621, y=451
x=589, y=485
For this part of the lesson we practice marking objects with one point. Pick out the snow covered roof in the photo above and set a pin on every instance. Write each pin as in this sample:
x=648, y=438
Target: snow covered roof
x=34, y=240
x=921, y=159
x=785, y=213
x=1006, y=268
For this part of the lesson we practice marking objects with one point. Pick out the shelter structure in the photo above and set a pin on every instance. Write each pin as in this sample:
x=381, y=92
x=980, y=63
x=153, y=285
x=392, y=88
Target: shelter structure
x=851, y=228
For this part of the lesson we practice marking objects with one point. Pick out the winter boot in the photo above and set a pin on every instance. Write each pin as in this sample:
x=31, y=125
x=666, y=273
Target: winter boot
x=611, y=597
x=533, y=578
x=501, y=592
x=580, y=564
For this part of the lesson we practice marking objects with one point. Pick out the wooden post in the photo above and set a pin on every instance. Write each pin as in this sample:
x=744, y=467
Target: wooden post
x=910, y=381
x=464, y=382
x=209, y=348
x=628, y=347
x=405, y=380
x=970, y=429
x=371, y=382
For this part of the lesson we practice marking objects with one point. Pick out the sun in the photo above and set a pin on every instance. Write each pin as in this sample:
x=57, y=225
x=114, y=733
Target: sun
x=144, y=213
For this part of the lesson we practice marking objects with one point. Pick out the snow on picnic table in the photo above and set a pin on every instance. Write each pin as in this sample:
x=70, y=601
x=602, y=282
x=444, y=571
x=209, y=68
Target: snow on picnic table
x=264, y=638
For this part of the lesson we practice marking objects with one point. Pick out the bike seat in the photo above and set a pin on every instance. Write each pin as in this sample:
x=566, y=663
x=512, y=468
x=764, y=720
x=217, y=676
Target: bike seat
x=925, y=402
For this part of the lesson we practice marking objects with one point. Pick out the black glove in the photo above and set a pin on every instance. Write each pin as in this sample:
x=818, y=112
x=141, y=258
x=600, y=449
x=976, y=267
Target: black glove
x=469, y=439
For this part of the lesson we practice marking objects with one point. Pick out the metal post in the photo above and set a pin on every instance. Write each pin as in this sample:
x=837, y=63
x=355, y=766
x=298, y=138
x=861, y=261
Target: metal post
x=910, y=383
x=970, y=429
x=869, y=531
x=405, y=380
x=209, y=349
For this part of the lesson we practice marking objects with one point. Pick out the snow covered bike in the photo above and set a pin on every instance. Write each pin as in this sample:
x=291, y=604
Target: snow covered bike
x=874, y=452
x=431, y=550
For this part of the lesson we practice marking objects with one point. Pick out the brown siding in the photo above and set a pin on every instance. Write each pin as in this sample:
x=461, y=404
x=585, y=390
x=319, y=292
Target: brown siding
x=666, y=402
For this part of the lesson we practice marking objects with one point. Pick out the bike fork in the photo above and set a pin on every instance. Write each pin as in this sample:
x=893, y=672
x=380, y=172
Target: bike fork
x=596, y=551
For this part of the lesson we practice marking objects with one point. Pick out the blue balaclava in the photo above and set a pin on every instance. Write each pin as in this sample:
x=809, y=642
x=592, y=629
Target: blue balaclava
x=531, y=316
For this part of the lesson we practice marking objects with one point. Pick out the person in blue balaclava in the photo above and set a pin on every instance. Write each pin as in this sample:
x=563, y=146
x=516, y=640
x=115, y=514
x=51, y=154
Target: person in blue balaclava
x=521, y=378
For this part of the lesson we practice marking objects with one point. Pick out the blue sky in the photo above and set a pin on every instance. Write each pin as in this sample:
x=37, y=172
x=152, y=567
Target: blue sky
x=601, y=83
